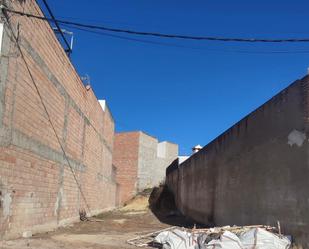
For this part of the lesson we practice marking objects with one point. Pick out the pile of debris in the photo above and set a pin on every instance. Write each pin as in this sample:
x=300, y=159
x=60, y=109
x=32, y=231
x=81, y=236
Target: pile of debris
x=244, y=237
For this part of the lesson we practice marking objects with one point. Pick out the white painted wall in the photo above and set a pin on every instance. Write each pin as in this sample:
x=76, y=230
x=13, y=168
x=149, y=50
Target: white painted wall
x=103, y=104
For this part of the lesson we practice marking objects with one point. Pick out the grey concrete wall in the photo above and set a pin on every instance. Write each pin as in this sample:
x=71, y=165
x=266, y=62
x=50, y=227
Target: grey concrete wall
x=153, y=160
x=146, y=160
x=257, y=172
x=166, y=153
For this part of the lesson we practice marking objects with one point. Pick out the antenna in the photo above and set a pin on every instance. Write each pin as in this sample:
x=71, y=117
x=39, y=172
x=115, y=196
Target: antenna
x=69, y=33
x=86, y=81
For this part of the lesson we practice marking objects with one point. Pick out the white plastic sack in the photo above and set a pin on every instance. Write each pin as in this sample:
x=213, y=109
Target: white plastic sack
x=255, y=238
x=227, y=240
x=259, y=238
x=176, y=239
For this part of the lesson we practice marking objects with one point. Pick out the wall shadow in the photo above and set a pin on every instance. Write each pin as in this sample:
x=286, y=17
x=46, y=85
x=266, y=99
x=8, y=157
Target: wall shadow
x=162, y=204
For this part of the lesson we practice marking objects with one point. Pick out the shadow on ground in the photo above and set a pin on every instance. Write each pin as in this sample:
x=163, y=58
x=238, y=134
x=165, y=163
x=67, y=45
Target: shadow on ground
x=162, y=204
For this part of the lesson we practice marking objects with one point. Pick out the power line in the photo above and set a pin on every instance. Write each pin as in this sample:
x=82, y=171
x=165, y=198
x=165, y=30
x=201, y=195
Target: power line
x=58, y=27
x=45, y=109
x=162, y=35
x=241, y=51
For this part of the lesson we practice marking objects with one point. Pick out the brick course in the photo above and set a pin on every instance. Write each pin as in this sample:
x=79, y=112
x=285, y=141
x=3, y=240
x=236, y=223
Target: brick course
x=37, y=188
x=125, y=159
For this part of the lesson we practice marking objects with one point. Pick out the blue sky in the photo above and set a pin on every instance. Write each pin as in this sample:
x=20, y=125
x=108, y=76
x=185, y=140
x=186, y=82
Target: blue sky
x=187, y=92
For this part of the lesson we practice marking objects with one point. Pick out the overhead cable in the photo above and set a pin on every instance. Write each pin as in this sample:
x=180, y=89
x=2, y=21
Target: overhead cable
x=151, y=42
x=69, y=50
x=162, y=35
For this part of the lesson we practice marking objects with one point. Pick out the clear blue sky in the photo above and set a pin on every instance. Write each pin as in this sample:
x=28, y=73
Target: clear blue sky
x=192, y=92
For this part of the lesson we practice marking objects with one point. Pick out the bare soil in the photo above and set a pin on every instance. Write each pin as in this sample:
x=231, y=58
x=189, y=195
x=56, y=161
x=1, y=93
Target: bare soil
x=112, y=229
x=111, y=232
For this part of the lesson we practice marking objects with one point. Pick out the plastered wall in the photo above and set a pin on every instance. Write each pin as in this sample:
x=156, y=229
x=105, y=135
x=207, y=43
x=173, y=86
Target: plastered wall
x=254, y=173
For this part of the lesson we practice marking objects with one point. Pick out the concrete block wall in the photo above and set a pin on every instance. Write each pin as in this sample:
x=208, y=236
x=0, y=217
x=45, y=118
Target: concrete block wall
x=154, y=158
x=37, y=189
x=147, y=163
x=141, y=162
x=166, y=153
x=254, y=173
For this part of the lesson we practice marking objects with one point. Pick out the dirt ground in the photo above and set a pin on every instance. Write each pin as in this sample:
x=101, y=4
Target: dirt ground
x=111, y=232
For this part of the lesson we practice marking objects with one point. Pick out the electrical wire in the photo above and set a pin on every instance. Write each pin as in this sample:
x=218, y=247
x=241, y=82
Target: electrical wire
x=183, y=46
x=162, y=35
x=57, y=25
x=45, y=109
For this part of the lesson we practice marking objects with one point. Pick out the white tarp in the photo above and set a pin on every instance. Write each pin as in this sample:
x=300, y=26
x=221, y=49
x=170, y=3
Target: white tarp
x=255, y=238
x=176, y=239
x=261, y=239
x=227, y=240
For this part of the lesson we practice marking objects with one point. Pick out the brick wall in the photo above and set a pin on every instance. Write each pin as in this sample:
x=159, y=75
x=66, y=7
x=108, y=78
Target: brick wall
x=125, y=159
x=140, y=161
x=254, y=173
x=37, y=188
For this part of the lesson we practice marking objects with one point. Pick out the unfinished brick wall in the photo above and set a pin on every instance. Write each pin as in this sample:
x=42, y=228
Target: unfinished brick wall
x=37, y=188
x=125, y=159
x=140, y=161
x=254, y=173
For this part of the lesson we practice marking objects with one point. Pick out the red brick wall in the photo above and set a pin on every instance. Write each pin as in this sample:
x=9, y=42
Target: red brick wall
x=125, y=159
x=37, y=188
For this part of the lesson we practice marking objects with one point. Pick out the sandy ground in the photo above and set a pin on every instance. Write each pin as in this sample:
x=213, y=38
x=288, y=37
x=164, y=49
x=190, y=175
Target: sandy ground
x=112, y=232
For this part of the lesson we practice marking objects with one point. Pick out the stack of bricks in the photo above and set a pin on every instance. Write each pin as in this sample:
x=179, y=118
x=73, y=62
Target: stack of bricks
x=38, y=190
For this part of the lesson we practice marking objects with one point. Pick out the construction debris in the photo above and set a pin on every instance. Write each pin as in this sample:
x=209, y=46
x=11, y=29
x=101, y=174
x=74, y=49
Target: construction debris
x=147, y=239
x=236, y=237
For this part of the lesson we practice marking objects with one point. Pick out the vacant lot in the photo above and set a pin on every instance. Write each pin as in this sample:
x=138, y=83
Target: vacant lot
x=111, y=232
